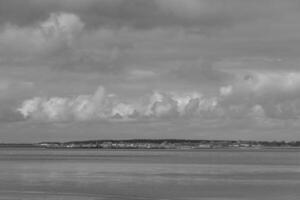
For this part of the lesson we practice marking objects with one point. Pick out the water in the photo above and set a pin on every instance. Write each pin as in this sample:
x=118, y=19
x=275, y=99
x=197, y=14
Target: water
x=94, y=174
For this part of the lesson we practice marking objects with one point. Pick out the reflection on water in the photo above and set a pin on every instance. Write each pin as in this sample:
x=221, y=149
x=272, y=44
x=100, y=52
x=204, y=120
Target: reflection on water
x=60, y=174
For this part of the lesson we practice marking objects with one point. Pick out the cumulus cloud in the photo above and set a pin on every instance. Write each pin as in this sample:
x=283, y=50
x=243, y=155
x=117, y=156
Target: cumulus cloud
x=82, y=107
x=258, y=96
x=105, y=106
x=61, y=28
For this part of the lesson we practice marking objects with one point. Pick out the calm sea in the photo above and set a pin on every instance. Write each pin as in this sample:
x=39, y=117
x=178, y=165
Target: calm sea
x=94, y=174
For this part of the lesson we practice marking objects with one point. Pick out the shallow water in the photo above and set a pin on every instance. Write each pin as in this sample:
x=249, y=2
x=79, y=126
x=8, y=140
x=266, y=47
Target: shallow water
x=94, y=174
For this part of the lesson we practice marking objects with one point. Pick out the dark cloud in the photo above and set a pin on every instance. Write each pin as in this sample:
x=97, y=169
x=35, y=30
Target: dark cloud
x=55, y=32
x=24, y=13
x=114, y=13
x=141, y=13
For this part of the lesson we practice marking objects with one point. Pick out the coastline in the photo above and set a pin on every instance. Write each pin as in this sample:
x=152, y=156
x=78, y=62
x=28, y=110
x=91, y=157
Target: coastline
x=270, y=149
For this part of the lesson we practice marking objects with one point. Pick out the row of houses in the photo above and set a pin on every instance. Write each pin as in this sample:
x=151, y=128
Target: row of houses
x=152, y=145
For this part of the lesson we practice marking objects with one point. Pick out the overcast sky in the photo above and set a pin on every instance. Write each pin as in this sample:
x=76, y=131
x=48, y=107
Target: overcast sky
x=196, y=69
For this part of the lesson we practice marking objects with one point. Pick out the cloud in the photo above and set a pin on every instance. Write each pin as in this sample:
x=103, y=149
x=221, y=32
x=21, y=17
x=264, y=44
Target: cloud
x=141, y=14
x=258, y=96
x=61, y=28
x=108, y=36
x=30, y=12
x=275, y=95
x=48, y=39
x=82, y=107
x=261, y=86
x=105, y=106
x=59, y=42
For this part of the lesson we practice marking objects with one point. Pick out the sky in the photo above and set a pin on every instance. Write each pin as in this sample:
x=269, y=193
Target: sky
x=119, y=69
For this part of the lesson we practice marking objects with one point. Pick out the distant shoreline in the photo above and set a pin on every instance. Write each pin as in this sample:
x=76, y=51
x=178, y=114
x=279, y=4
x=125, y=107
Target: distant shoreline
x=279, y=149
x=163, y=144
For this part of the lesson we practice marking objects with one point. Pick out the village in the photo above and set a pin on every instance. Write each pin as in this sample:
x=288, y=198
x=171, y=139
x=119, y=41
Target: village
x=170, y=144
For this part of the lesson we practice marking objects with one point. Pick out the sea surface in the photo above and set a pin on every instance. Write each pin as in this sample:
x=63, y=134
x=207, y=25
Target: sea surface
x=31, y=174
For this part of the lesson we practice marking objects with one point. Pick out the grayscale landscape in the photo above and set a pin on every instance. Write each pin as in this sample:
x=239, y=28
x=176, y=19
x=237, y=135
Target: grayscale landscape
x=149, y=99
